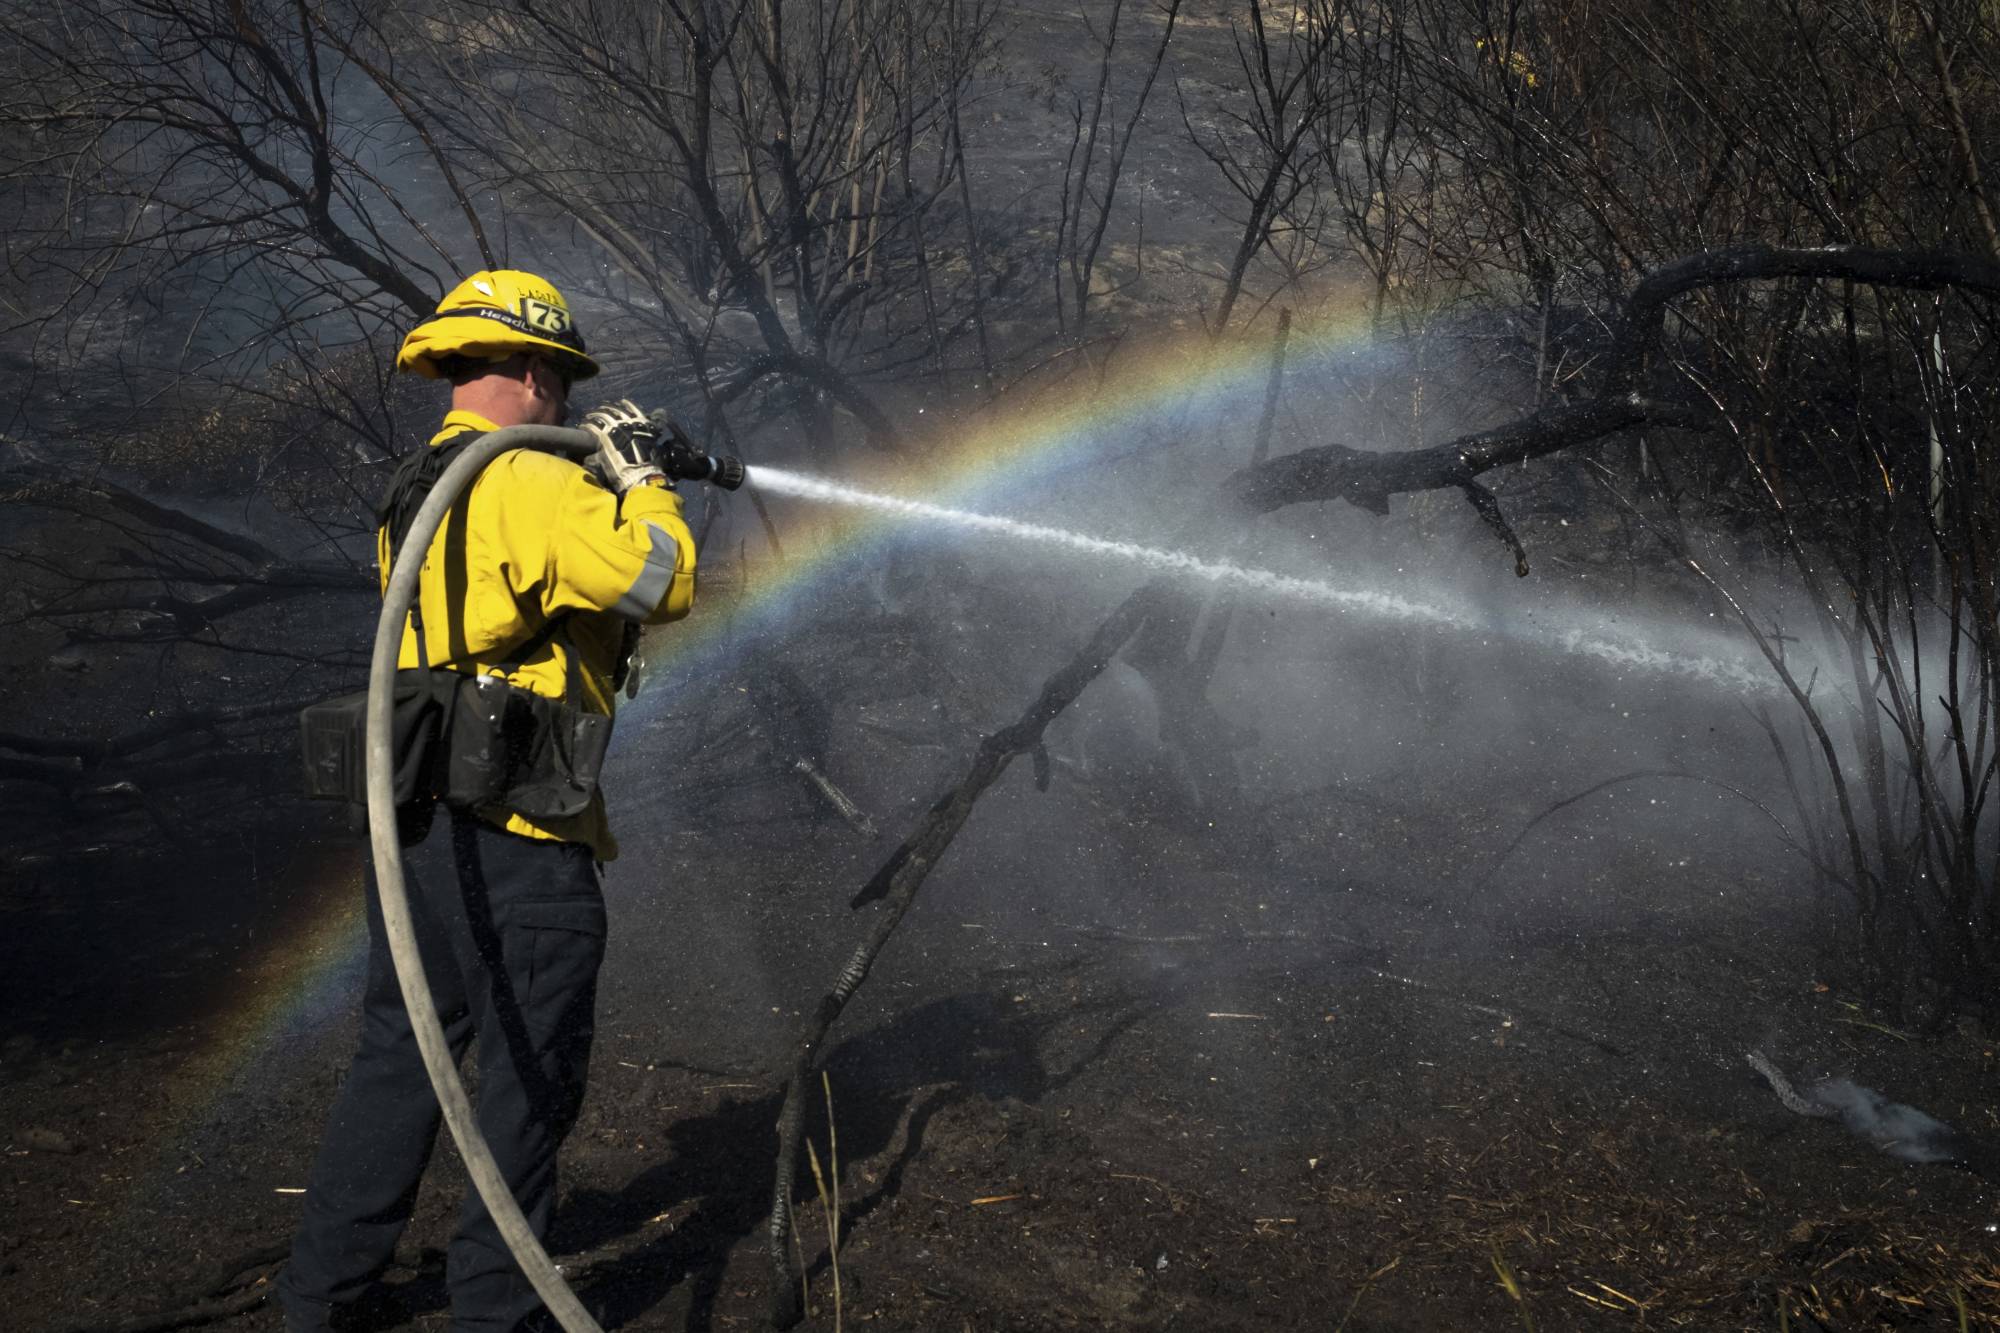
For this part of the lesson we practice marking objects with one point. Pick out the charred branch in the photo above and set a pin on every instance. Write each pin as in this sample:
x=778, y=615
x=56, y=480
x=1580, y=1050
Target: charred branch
x=59, y=489
x=1487, y=505
x=795, y=723
x=239, y=1286
x=1367, y=479
x=819, y=374
x=1785, y=834
x=1078, y=240
x=190, y=615
x=166, y=558
x=1639, y=330
x=843, y=804
x=897, y=883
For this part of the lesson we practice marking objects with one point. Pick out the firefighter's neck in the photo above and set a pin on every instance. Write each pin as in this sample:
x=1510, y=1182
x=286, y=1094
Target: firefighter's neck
x=519, y=391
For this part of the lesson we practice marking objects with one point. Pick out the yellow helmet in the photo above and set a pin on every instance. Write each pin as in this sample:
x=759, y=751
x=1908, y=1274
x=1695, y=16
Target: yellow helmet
x=493, y=315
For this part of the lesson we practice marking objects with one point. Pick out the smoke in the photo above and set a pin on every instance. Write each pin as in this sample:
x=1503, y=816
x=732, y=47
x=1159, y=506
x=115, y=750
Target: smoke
x=1379, y=679
x=1902, y=1131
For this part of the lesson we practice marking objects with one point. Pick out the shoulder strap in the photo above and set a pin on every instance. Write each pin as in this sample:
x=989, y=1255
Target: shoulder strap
x=411, y=484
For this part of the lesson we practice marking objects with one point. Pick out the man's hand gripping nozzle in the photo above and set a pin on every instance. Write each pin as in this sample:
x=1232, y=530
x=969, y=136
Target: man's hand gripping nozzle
x=682, y=460
x=634, y=448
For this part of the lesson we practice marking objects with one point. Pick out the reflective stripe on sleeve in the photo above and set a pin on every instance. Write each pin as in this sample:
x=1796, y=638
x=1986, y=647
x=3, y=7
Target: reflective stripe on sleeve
x=650, y=587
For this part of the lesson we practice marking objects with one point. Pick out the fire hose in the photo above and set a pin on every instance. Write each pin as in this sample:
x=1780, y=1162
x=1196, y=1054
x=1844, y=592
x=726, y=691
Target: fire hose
x=397, y=598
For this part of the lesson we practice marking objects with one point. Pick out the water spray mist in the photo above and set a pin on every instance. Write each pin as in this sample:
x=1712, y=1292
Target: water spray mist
x=1625, y=653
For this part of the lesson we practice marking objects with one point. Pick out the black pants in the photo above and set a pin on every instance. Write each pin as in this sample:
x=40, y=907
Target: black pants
x=512, y=931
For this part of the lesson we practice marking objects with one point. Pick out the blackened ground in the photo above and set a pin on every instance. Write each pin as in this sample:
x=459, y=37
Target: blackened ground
x=1322, y=1066
x=1326, y=1065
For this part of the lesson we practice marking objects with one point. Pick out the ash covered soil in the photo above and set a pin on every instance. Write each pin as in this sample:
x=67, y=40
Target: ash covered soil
x=1325, y=1062
x=1330, y=1063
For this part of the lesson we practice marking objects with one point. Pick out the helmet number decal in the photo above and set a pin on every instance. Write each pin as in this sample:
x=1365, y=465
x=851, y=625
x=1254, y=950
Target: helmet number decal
x=544, y=318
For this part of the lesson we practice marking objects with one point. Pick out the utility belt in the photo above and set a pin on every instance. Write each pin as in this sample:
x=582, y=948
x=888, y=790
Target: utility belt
x=472, y=742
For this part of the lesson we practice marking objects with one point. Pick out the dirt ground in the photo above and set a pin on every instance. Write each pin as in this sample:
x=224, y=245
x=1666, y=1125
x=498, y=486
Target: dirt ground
x=1123, y=1068
x=1333, y=1069
x=1248, y=1114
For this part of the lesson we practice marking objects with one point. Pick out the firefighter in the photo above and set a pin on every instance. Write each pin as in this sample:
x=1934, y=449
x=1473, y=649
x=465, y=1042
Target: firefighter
x=540, y=576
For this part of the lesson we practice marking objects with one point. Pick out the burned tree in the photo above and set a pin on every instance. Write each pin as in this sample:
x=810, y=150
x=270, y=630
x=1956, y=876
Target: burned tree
x=1262, y=146
x=206, y=190
x=1098, y=147
x=1522, y=165
x=762, y=180
x=209, y=257
x=1954, y=821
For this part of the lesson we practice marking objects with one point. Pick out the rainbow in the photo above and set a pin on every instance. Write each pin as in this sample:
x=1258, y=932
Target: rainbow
x=1188, y=388
x=285, y=996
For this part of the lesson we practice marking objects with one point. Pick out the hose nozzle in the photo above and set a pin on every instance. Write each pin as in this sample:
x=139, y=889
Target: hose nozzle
x=682, y=460
x=692, y=465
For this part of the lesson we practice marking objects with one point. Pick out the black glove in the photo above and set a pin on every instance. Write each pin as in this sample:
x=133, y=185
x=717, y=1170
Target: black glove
x=626, y=444
x=675, y=451
x=684, y=460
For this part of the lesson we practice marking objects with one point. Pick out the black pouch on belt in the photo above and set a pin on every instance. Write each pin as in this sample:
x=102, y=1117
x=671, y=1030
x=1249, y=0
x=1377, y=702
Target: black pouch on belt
x=517, y=750
x=521, y=751
x=334, y=735
x=513, y=749
x=488, y=719
x=557, y=773
x=473, y=742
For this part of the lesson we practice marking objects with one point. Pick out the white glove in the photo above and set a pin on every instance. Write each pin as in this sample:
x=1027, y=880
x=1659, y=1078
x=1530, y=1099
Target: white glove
x=625, y=441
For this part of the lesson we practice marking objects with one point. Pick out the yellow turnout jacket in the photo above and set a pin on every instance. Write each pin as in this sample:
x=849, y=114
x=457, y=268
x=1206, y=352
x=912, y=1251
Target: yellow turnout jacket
x=534, y=538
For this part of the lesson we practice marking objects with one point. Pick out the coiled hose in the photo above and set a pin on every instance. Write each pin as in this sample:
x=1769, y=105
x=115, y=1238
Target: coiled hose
x=396, y=601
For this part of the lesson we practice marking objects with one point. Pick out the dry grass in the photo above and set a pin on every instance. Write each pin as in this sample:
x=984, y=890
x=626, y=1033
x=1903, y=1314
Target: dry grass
x=829, y=1195
x=1656, y=1220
